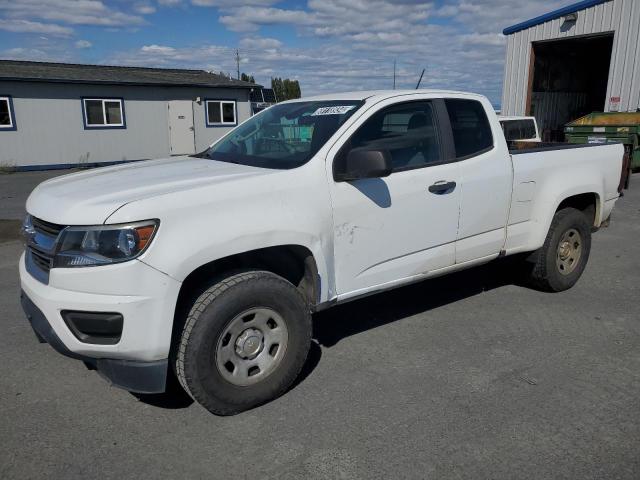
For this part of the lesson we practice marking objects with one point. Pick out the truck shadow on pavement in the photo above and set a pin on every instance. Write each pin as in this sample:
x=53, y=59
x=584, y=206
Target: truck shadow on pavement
x=342, y=321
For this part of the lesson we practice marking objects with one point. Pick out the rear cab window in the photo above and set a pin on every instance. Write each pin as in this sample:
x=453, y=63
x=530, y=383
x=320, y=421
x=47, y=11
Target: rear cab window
x=524, y=129
x=470, y=127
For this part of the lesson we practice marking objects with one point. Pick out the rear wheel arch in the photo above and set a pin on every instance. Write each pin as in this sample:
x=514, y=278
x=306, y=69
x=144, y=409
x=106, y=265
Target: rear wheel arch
x=589, y=203
x=552, y=266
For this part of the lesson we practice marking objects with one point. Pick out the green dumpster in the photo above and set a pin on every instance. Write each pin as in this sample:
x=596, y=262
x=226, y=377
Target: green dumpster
x=611, y=127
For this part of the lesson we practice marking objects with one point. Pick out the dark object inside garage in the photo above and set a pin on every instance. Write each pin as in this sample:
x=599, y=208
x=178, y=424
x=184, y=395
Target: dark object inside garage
x=569, y=80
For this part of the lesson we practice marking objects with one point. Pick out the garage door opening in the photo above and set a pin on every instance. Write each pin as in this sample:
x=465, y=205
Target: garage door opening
x=569, y=80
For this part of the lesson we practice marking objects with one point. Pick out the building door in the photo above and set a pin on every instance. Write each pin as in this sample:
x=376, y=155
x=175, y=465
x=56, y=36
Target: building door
x=181, y=131
x=569, y=80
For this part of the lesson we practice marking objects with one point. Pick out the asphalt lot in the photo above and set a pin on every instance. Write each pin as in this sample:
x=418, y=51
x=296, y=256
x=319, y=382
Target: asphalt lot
x=468, y=376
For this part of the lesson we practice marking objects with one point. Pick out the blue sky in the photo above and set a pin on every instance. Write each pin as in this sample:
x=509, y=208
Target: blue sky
x=328, y=45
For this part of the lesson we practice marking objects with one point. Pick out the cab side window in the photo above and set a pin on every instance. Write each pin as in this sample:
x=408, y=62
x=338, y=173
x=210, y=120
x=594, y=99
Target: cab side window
x=470, y=127
x=407, y=131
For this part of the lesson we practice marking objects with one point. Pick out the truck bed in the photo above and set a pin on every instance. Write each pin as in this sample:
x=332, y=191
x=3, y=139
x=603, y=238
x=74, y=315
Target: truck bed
x=520, y=147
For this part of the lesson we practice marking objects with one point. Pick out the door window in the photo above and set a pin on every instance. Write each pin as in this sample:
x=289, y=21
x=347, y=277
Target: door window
x=470, y=127
x=407, y=131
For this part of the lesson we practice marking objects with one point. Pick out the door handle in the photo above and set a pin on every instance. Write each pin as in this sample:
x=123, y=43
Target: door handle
x=442, y=187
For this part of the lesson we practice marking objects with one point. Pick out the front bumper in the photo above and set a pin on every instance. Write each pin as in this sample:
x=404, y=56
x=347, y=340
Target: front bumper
x=142, y=377
x=144, y=296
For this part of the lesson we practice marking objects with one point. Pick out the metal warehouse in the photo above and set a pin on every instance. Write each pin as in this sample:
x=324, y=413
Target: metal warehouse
x=56, y=115
x=574, y=61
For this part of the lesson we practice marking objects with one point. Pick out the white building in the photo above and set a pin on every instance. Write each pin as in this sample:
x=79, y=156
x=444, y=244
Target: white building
x=55, y=115
x=578, y=59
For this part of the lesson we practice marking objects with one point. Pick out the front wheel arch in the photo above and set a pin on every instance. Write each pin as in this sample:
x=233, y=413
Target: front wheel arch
x=294, y=263
x=196, y=359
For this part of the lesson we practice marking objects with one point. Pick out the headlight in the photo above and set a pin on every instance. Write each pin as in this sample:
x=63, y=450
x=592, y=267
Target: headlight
x=103, y=244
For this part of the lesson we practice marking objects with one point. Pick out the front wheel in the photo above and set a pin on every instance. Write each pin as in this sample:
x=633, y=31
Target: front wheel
x=559, y=263
x=244, y=342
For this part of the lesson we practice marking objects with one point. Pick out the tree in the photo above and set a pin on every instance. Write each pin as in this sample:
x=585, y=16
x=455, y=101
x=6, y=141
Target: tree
x=286, y=89
x=247, y=78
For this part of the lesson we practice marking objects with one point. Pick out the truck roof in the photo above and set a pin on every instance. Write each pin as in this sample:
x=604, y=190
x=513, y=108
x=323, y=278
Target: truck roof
x=380, y=94
x=515, y=117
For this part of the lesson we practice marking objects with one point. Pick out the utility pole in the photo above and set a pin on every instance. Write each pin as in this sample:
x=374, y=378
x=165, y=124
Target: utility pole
x=394, y=74
x=238, y=62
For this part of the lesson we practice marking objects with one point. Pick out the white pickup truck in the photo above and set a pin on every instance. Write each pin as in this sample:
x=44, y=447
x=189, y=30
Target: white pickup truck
x=209, y=266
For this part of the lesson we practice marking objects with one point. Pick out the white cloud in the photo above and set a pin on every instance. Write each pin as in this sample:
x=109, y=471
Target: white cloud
x=232, y=3
x=340, y=45
x=458, y=41
x=158, y=49
x=495, y=39
x=259, y=42
x=245, y=19
x=83, y=44
x=42, y=54
x=144, y=9
x=330, y=17
x=74, y=12
x=27, y=26
x=495, y=15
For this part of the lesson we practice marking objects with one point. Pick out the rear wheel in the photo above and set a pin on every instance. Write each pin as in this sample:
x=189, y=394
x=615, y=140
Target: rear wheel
x=244, y=342
x=559, y=263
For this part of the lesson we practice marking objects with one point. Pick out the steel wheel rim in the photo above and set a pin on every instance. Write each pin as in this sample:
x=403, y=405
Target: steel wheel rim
x=569, y=251
x=251, y=346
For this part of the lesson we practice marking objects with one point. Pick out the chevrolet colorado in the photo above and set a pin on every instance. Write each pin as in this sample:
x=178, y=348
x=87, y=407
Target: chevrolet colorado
x=208, y=267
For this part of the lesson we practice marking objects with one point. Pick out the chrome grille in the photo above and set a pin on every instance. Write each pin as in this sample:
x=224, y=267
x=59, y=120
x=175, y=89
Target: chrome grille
x=41, y=246
x=41, y=260
x=46, y=228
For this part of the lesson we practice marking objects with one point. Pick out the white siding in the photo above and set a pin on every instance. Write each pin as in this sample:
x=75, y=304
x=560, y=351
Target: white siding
x=619, y=16
x=50, y=128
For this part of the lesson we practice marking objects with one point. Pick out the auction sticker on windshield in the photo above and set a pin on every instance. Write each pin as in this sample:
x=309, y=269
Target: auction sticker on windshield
x=335, y=110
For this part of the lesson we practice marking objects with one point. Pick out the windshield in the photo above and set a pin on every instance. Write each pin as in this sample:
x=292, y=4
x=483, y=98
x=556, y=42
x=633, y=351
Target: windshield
x=283, y=136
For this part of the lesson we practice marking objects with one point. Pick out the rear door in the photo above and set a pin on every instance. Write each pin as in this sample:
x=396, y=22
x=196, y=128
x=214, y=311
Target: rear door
x=181, y=130
x=485, y=179
x=397, y=227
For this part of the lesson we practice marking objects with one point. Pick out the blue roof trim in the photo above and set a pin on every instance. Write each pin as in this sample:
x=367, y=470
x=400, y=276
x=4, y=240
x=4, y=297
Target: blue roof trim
x=561, y=12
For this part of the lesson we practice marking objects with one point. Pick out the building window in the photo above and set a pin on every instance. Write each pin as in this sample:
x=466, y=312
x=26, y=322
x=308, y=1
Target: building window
x=7, y=118
x=220, y=112
x=103, y=112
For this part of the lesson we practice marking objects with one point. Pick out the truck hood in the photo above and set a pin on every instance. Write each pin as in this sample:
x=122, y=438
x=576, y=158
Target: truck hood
x=90, y=197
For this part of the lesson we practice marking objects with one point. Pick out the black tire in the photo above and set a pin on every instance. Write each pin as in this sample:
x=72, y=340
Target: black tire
x=545, y=274
x=212, y=313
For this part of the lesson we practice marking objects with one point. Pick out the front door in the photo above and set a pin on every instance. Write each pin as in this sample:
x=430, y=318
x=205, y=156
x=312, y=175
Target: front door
x=181, y=131
x=391, y=229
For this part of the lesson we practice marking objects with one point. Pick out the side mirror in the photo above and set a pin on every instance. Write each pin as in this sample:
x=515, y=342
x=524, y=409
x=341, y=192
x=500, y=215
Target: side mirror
x=362, y=163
